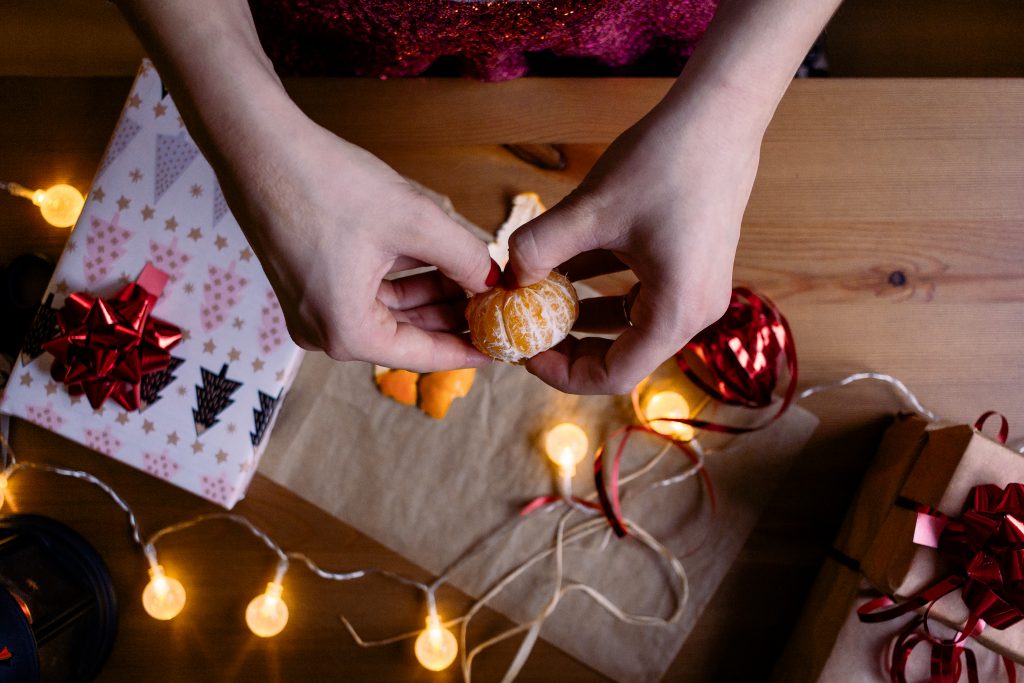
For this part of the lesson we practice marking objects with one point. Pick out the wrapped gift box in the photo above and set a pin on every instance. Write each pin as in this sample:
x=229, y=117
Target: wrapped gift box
x=874, y=554
x=203, y=421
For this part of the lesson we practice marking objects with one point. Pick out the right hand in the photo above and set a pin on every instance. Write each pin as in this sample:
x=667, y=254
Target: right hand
x=329, y=221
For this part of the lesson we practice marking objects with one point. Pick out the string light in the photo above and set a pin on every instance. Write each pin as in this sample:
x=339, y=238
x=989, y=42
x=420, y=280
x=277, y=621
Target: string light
x=669, y=404
x=163, y=597
x=267, y=614
x=3, y=487
x=565, y=445
x=61, y=204
x=436, y=646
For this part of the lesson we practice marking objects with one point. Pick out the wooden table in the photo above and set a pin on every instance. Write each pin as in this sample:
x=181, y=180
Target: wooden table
x=886, y=221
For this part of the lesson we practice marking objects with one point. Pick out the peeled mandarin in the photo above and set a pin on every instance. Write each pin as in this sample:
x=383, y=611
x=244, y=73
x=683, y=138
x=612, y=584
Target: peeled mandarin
x=512, y=325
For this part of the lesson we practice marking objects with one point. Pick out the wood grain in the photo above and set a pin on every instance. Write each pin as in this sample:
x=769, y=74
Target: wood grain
x=858, y=180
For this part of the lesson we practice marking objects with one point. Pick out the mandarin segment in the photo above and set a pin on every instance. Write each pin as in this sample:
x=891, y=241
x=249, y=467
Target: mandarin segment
x=515, y=324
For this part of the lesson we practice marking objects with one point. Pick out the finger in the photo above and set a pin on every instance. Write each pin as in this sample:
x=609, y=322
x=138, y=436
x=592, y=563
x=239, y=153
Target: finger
x=550, y=239
x=396, y=344
x=454, y=250
x=447, y=317
x=604, y=367
x=602, y=315
x=417, y=290
x=591, y=264
x=405, y=263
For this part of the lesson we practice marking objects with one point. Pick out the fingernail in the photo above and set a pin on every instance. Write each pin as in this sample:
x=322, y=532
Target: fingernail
x=509, y=278
x=494, y=275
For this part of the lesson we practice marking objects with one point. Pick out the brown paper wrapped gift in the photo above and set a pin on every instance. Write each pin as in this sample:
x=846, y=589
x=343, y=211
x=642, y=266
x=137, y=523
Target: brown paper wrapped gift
x=830, y=643
x=954, y=460
x=936, y=467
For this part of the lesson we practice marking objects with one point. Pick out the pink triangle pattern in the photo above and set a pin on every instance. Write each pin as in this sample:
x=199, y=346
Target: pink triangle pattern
x=160, y=465
x=272, y=328
x=44, y=416
x=174, y=153
x=104, y=245
x=216, y=489
x=220, y=205
x=221, y=292
x=168, y=258
x=102, y=441
x=124, y=134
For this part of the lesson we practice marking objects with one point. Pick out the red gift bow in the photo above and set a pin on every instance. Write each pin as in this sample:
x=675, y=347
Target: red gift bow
x=741, y=356
x=985, y=545
x=106, y=346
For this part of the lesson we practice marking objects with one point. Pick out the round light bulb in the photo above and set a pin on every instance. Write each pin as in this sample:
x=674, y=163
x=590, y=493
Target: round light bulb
x=669, y=404
x=436, y=646
x=3, y=487
x=164, y=596
x=61, y=205
x=267, y=614
x=566, y=444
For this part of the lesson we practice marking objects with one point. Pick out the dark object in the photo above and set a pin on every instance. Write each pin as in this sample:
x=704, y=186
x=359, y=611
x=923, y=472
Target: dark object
x=58, y=611
x=212, y=398
x=263, y=415
x=44, y=328
x=155, y=382
x=897, y=278
x=546, y=157
x=21, y=287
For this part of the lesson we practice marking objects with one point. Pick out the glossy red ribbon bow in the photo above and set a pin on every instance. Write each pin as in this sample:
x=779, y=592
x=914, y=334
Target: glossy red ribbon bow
x=741, y=357
x=106, y=346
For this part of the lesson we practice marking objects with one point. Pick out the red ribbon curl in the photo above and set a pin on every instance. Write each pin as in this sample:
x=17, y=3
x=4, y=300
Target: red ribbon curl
x=106, y=346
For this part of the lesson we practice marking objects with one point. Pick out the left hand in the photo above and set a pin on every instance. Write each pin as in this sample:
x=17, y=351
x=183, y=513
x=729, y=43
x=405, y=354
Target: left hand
x=665, y=201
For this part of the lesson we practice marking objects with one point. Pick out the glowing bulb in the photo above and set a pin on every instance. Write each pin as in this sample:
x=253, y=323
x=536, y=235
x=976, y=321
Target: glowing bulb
x=566, y=444
x=267, y=614
x=3, y=487
x=436, y=646
x=61, y=205
x=164, y=596
x=671, y=405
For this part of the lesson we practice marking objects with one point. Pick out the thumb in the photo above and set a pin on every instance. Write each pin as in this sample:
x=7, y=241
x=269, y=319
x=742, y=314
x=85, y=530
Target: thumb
x=550, y=239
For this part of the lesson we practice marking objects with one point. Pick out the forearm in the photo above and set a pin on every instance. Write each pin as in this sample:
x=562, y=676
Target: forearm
x=748, y=57
x=209, y=55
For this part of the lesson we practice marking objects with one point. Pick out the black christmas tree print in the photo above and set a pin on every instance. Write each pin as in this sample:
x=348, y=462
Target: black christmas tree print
x=155, y=382
x=262, y=416
x=44, y=328
x=212, y=398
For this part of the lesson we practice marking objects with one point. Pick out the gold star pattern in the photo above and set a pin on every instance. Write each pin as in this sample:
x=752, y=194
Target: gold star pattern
x=134, y=101
x=121, y=419
x=195, y=234
x=257, y=365
x=220, y=242
x=181, y=122
x=123, y=203
x=197, y=447
x=26, y=380
x=51, y=388
x=279, y=376
x=182, y=391
x=243, y=467
x=231, y=428
x=172, y=439
x=147, y=212
x=62, y=287
x=171, y=224
x=234, y=354
x=147, y=426
x=159, y=109
x=98, y=194
x=237, y=323
x=196, y=190
x=189, y=288
x=221, y=456
x=186, y=335
x=135, y=175
x=245, y=254
x=124, y=279
x=75, y=400
x=99, y=411
x=209, y=346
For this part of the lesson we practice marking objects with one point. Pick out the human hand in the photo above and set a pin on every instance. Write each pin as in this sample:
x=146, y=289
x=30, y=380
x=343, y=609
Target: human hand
x=329, y=222
x=665, y=201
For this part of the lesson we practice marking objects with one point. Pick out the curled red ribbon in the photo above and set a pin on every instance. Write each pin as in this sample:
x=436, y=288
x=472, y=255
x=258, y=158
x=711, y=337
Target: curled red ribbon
x=608, y=491
x=106, y=346
x=741, y=357
x=985, y=545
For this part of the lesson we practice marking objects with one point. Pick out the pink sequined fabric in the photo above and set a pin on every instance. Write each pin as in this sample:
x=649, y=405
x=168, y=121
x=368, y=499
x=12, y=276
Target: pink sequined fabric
x=491, y=41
